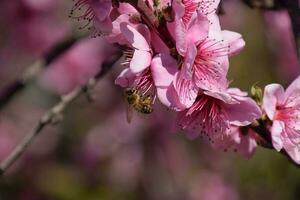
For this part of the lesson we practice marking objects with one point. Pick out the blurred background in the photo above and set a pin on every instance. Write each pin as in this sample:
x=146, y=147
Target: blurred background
x=94, y=154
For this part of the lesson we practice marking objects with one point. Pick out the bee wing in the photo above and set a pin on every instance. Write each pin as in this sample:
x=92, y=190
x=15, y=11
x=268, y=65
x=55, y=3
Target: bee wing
x=129, y=113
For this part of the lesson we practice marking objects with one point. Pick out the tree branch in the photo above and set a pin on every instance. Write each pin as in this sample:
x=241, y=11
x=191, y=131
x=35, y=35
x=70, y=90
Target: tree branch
x=264, y=133
x=7, y=93
x=54, y=115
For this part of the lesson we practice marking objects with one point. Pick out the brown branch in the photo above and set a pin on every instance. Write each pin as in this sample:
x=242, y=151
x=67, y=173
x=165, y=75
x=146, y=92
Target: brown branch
x=8, y=92
x=54, y=115
x=266, y=141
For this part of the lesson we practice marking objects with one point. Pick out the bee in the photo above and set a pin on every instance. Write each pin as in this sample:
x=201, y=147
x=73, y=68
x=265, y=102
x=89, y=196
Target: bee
x=138, y=102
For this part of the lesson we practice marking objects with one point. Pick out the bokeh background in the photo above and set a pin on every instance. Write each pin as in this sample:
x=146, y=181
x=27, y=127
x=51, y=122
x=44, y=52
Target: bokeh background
x=94, y=154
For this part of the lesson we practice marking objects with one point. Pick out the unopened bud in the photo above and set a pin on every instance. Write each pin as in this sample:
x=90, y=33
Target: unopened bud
x=256, y=94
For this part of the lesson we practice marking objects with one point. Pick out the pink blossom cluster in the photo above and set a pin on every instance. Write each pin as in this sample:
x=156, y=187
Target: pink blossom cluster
x=176, y=52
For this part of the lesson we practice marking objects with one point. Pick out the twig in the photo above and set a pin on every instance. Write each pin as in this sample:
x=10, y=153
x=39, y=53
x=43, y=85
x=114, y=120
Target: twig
x=54, y=115
x=265, y=135
x=7, y=93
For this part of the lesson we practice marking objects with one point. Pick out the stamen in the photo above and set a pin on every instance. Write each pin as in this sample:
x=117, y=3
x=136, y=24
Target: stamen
x=206, y=116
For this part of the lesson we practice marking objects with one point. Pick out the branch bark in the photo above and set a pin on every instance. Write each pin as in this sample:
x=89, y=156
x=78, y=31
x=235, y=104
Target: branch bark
x=54, y=115
x=7, y=93
x=264, y=133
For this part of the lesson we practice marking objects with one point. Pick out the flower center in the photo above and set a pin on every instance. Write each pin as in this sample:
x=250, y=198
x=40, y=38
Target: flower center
x=206, y=116
x=190, y=7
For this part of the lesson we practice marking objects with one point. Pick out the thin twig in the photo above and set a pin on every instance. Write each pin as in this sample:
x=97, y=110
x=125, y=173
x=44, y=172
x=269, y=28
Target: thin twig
x=264, y=133
x=8, y=92
x=54, y=115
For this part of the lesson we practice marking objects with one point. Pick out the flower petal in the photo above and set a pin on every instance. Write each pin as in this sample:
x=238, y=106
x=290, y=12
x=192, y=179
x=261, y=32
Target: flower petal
x=235, y=41
x=276, y=131
x=185, y=89
x=134, y=37
x=180, y=36
x=247, y=145
x=244, y=112
x=294, y=152
x=209, y=7
x=187, y=67
x=140, y=61
x=125, y=78
x=293, y=89
x=163, y=68
x=198, y=29
x=273, y=96
x=178, y=8
x=223, y=96
x=168, y=96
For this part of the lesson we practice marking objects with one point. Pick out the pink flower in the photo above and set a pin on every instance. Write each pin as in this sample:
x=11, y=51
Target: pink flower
x=140, y=54
x=213, y=113
x=142, y=81
x=138, y=59
x=283, y=108
x=240, y=139
x=185, y=9
x=204, y=49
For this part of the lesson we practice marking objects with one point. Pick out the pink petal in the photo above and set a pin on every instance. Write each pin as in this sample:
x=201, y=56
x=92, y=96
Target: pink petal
x=215, y=34
x=180, y=37
x=163, y=68
x=187, y=67
x=169, y=97
x=276, y=131
x=134, y=37
x=115, y=36
x=198, y=29
x=244, y=112
x=236, y=92
x=126, y=78
x=294, y=88
x=235, y=41
x=144, y=31
x=273, y=96
x=227, y=140
x=178, y=8
x=294, y=152
x=247, y=145
x=209, y=7
x=140, y=61
x=214, y=23
x=126, y=8
x=223, y=96
x=185, y=89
